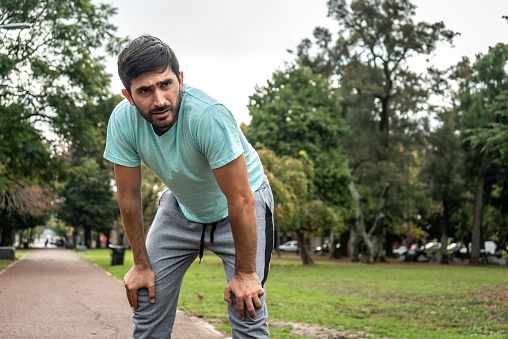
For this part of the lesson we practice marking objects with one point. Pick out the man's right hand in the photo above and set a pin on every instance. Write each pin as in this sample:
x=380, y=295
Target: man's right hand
x=136, y=279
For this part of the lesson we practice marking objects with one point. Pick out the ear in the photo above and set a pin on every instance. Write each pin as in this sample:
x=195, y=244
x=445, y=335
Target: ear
x=180, y=78
x=127, y=96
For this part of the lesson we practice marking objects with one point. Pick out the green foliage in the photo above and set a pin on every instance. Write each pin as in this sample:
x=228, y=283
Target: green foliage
x=494, y=138
x=298, y=111
x=482, y=100
x=483, y=87
x=59, y=229
x=444, y=159
x=50, y=75
x=87, y=200
x=292, y=186
x=442, y=170
x=24, y=156
x=483, y=118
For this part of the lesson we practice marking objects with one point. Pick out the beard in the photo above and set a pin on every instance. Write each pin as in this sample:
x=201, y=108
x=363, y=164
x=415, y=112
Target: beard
x=162, y=124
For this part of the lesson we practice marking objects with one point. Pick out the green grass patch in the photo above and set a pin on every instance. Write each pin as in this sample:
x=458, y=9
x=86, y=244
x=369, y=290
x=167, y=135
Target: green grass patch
x=102, y=258
x=394, y=300
x=17, y=255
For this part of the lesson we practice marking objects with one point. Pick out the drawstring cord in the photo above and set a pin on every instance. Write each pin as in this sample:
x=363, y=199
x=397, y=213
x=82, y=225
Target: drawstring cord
x=202, y=243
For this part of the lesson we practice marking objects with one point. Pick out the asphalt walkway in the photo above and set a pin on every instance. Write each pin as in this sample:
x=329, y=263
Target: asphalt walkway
x=52, y=293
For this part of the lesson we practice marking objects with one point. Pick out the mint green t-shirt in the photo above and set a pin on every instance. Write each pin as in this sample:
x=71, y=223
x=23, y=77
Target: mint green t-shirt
x=205, y=137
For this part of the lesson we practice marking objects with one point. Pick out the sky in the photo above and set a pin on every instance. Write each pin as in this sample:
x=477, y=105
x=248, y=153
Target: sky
x=228, y=47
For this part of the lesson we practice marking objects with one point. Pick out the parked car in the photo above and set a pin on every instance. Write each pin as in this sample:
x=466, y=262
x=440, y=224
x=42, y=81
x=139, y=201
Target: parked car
x=400, y=251
x=290, y=246
x=454, y=246
x=491, y=248
x=58, y=241
x=433, y=247
x=415, y=253
x=325, y=248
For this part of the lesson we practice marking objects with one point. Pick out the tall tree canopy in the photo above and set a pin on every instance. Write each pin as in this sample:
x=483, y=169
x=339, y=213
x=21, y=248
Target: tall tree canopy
x=298, y=110
x=443, y=172
x=49, y=75
x=382, y=97
x=482, y=108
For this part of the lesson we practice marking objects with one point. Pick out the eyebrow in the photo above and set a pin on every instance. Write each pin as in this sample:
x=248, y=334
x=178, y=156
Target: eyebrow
x=142, y=88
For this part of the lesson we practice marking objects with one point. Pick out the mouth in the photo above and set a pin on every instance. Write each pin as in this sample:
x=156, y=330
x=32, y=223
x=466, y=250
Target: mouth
x=161, y=114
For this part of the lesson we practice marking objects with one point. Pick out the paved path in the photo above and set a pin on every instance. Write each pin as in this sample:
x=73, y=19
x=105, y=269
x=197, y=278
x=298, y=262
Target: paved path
x=52, y=293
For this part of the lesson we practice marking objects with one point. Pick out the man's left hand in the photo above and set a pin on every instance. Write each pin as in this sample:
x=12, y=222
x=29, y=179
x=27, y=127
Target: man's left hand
x=247, y=290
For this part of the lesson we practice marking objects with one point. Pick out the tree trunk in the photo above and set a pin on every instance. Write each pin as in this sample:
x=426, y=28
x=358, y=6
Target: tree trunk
x=389, y=243
x=343, y=250
x=371, y=245
x=74, y=231
x=335, y=252
x=358, y=230
x=378, y=244
x=88, y=236
x=107, y=233
x=444, y=233
x=5, y=236
x=383, y=121
x=478, y=211
x=302, y=246
x=98, y=241
x=355, y=242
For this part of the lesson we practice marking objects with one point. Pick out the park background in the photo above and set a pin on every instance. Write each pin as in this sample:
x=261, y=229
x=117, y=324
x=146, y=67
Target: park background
x=376, y=133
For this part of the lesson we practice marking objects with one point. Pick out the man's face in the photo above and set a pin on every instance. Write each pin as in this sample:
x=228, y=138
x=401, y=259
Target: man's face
x=157, y=96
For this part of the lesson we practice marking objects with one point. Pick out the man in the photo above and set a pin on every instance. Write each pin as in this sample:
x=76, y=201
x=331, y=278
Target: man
x=218, y=197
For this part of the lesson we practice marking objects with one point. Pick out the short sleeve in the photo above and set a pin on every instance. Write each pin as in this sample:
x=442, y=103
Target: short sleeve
x=217, y=136
x=120, y=145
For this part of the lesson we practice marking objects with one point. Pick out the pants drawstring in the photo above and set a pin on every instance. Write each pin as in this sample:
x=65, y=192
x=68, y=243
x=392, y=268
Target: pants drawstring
x=202, y=243
x=214, y=226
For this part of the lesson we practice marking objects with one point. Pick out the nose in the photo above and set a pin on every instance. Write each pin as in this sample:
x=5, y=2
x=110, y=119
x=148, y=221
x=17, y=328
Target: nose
x=158, y=98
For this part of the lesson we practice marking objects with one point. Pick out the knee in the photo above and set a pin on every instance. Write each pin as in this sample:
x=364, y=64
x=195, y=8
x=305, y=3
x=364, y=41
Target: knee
x=249, y=328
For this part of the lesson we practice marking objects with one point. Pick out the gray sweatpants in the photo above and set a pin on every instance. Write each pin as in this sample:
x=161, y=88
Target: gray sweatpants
x=174, y=242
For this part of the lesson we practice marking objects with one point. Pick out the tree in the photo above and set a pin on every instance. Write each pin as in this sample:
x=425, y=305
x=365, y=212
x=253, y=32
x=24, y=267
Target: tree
x=295, y=209
x=91, y=179
x=87, y=200
x=480, y=97
x=373, y=249
x=297, y=110
x=494, y=137
x=51, y=75
x=22, y=208
x=381, y=95
x=442, y=170
x=26, y=167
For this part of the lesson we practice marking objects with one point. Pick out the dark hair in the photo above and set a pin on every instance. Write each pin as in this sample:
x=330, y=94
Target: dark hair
x=145, y=54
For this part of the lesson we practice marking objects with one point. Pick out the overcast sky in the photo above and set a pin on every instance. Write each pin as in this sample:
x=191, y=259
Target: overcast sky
x=227, y=47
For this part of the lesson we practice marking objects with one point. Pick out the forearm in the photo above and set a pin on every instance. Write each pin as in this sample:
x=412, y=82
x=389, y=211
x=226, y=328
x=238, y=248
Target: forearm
x=132, y=218
x=244, y=227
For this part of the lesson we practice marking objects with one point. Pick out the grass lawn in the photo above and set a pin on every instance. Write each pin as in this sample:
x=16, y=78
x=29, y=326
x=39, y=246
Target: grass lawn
x=395, y=300
x=17, y=255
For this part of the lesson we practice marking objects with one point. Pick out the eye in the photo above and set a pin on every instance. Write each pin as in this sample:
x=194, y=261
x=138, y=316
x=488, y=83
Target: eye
x=144, y=91
x=166, y=83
